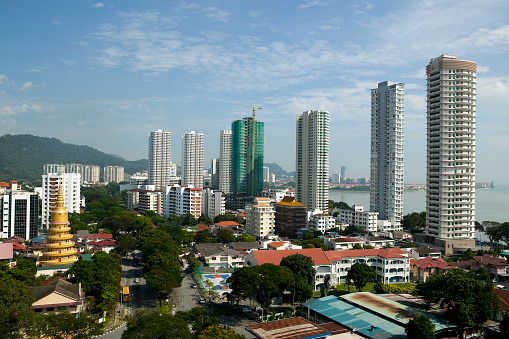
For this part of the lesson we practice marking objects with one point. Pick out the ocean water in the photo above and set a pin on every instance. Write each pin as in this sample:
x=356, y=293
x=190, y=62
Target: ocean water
x=491, y=204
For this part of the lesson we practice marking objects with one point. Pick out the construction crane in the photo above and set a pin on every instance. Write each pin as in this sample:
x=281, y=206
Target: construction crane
x=253, y=138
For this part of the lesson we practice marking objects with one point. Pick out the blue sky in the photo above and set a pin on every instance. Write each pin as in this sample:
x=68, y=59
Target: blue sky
x=104, y=74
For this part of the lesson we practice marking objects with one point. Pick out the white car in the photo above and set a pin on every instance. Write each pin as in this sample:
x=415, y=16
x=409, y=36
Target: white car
x=137, y=280
x=202, y=301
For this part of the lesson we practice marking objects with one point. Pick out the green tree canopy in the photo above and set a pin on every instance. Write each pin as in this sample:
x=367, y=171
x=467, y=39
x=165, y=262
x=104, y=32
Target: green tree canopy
x=225, y=236
x=247, y=238
x=420, y=327
x=303, y=273
x=15, y=303
x=149, y=325
x=64, y=325
x=359, y=274
x=414, y=220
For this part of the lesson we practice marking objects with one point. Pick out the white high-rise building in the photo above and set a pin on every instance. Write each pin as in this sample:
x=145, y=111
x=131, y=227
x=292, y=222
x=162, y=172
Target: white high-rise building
x=20, y=213
x=70, y=183
x=113, y=173
x=260, y=218
x=159, y=158
x=450, y=174
x=212, y=203
x=312, y=165
x=266, y=174
x=178, y=200
x=225, y=149
x=387, y=168
x=192, y=159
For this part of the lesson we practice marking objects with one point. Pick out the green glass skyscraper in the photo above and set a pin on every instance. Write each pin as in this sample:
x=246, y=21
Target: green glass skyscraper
x=247, y=157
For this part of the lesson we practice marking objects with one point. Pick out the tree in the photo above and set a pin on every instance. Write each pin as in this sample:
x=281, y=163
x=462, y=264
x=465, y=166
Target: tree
x=504, y=325
x=148, y=325
x=468, y=254
x=192, y=263
x=468, y=296
x=64, y=325
x=219, y=332
x=360, y=274
x=202, y=237
x=126, y=243
x=203, y=219
x=261, y=282
x=357, y=247
x=198, y=318
x=225, y=236
x=247, y=238
x=414, y=221
x=420, y=327
x=303, y=273
x=15, y=303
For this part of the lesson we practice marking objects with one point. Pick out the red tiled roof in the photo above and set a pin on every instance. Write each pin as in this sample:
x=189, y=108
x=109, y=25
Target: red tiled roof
x=346, y=240
x=226, y=223
x=17, y=247
x=277, y=243
x=503, y=297
x=49, y=281
x=429, y=262
x=381, y=252
x=103, y=243
x=274, y=257
x=202, y=227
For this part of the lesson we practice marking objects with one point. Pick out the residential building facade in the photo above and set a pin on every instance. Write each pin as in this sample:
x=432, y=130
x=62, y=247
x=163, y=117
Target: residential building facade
x=225, y=156
x=356, y=216
x=178, y=200
x=312, y=159
x=113, y=173
x=159, y=158
x=290, y=216
x=213, y=203
x=387, y=167
x=450, y=174
x=192, y=159
x=71, y=190
x=20, y=214
x=260, y=218
x=247, y=157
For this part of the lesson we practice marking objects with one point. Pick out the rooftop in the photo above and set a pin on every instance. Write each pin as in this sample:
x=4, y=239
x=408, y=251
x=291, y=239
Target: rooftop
x=275, y=257
x=292, y=328
x=381, y=252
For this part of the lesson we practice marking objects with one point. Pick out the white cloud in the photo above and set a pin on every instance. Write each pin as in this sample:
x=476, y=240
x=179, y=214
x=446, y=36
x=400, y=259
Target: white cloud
x=316, y=3
x=218, y=14
x=29, y=85
x=56, y=23
x=98, y=5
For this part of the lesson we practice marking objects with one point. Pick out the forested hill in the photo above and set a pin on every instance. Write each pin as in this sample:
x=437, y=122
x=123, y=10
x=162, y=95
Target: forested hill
x=277, y=170
x=22, y=157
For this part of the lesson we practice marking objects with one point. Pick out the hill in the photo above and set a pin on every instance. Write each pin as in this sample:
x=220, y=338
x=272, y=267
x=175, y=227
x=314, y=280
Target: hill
x=23, y=156
x=277, y=170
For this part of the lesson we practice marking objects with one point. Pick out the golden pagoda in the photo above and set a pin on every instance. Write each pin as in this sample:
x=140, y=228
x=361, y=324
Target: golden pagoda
x=59, y=249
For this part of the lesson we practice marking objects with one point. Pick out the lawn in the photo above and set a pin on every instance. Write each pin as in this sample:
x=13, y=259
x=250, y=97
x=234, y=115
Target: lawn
x=367, y=288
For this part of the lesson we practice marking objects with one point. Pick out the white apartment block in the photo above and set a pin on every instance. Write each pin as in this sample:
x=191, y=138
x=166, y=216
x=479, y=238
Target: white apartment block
x=213, y=203
x=113, y=173
x=150, y=200
x=319, y=221
x=192, y=159
x=312, y=163
x=391, y=265
x=159, y=158
x=260, y=218
x=178, y=200
x=266, y=174
x=70, y=183
x=450, y=170
x=224, y=172
x=277, y=194
x=356, y=216
x=54, y=168
x=387, y=167
x=19, y=214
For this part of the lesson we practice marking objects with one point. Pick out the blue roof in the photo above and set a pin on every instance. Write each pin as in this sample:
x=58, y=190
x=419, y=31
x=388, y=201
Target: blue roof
x=364, y=310
x=39, y=238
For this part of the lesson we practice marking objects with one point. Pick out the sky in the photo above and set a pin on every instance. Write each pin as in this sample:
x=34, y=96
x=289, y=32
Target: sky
x=105, y=74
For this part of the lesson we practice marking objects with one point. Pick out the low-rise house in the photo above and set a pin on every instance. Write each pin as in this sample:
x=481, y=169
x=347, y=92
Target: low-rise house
x=418, y=253
x=217, y=255
x=244, y=246
x=6, y=253
x=379, y=242
x=222, y=224
x=102, y=245
x=282, y=245
x=56, y=295
x=321, y=264
x=497, y=268
x=391, y=265
x=237, y=231
x=97, y=237
x=424, y=268
x=402, y=236
x=503, y=305
x=341, y=243
x=321, y=222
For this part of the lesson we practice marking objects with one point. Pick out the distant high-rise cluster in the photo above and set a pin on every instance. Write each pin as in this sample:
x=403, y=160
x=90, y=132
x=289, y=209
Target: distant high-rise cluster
x=450, y=151
x=312, y=163
x=387, y=167
x=225, y=150
x=113, y=173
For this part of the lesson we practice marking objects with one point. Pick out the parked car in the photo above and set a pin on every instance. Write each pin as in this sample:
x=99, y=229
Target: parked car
x=202, y=301
x=137, y=280
x=246, y=310
x=194, y=286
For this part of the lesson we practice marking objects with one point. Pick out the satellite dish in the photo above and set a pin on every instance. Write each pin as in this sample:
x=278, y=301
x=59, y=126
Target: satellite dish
x=355, y=329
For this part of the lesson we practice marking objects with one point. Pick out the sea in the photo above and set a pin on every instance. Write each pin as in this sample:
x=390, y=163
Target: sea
x=492, y=204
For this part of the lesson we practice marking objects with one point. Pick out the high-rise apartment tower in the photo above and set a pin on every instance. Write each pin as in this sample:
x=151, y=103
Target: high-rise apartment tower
x=312, y=165
x=159, y=158
x=450, y=173
x=247, y=157
x=192, y=159
x=387, y=168
x=225, y=150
